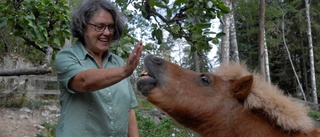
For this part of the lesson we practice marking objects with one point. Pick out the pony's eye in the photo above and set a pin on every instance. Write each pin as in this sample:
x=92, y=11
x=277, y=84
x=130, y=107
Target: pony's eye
x=205, y=79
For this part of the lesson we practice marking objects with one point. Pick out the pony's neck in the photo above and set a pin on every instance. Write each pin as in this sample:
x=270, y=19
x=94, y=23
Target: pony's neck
x=255, y=123
x=243, y=123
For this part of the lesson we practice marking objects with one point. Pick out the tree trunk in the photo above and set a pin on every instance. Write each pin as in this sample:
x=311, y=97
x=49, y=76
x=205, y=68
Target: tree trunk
x=311, y=56
x=262, y=64
x=304, y=72
x=196, y=61
x=268, y=77
x=234, y=53
x=225, y=43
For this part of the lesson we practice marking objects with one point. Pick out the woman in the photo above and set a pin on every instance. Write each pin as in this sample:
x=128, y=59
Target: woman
x=96, y=98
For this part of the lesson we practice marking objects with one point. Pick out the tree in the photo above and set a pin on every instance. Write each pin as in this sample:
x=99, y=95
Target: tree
x=234, y=52
x=189, y=20
x=246, y=24
x=263, y=58
x=311, y=55
x=43, y=25
x=229, y=45
x=294, y=33
x=225, y=42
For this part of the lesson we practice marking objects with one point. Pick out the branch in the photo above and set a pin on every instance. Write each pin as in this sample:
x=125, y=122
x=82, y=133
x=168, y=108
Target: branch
x=181, y=16
x=32, y=43
x=156, y=14
x=178, y=17
x=48, y=57
x=25, y=71
x=44, y=69
x=289, y=56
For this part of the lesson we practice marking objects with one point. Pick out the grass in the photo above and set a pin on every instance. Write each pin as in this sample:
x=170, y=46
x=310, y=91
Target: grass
x=167, y=127
x=314, y=114
x=48, y=131
x=19, y=99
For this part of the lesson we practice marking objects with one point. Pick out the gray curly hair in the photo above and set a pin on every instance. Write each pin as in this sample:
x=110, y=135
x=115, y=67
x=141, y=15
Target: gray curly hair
x=82, y=14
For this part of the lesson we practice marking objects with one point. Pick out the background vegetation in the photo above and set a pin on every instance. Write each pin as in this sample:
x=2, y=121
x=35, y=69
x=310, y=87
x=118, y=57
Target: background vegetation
x=176, y=27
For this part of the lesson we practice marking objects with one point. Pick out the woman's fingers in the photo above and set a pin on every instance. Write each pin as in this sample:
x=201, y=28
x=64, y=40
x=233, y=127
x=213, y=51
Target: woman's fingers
x=134, y=57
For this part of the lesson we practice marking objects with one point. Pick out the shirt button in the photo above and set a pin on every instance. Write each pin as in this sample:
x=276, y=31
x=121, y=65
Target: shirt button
x=111, y=123
x=110, y=107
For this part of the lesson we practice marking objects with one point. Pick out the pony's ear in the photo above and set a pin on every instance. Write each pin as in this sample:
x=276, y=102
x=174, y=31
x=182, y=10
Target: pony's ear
x=242, y=87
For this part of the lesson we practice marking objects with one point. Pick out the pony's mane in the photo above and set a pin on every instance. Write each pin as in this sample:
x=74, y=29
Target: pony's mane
x=288, y=114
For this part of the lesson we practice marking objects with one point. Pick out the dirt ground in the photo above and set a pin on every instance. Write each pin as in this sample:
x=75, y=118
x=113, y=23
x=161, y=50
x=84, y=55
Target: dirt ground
x=25, y=122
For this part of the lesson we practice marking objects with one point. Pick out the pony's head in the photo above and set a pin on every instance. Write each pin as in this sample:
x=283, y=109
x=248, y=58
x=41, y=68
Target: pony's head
x=224, y=100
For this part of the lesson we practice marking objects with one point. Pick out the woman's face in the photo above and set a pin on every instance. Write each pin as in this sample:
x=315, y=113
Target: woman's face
x=97, y=42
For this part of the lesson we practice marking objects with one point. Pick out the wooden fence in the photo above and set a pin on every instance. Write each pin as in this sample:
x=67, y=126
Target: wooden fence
x=34, y=85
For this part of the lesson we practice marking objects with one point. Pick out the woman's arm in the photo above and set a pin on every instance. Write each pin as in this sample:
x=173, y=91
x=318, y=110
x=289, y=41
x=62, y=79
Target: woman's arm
x=95, y=79
x=133, y=124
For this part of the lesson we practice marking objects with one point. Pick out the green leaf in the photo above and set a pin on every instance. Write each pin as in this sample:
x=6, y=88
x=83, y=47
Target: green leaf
x=179, y=2
x=144, y=12
x=148, y=47
x=193, y=49
x=56, y=41
x=203, y=25
x=40, y=36
x=31, y=24
x=175, y=29
x=169, y=12
x=154, y=25
x=166, y=1
x=152, y=3
x=215, y=41
x=3, y=22
x=220, y=34
x=213, y=14
x=62, y=41
x=160, y=4
x=224, y=9
x=158, y=34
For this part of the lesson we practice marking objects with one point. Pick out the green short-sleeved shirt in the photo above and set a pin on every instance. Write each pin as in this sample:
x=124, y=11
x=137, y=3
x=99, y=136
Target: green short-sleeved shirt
x=102, y=113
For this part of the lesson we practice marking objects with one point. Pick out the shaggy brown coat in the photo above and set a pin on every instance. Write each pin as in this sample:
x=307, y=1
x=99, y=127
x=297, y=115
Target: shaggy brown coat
x=230, y=102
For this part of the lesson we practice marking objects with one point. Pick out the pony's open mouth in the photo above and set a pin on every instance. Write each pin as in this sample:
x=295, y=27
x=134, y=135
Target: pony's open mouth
x=153, y=74
x=145, y=74
x=146, y=83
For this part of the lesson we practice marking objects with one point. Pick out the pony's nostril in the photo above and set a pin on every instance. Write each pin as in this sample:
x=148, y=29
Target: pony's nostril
x=157, y=60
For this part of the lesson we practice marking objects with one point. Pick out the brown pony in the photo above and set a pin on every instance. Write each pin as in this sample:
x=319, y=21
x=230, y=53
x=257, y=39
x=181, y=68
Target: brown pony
x=231, y=102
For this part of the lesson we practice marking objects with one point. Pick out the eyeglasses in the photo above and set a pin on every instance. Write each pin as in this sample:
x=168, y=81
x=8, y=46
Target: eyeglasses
x=102, y=27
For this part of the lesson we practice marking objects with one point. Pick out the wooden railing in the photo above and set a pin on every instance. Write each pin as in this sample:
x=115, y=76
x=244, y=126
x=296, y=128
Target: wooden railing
x=35, y=90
